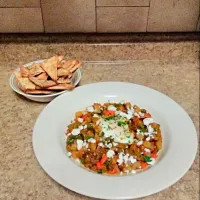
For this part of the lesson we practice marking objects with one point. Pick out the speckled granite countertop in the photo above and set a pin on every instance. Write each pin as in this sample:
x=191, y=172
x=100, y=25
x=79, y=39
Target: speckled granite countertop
x=172, y=68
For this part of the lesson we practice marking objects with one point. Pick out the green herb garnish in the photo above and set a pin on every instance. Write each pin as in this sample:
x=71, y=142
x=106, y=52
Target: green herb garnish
x=107, y=163
x=70, y=141
x=89, y=137
x=143, y=129
x=74, y=137
x=101, y=171
x=121, y=123
x=82, y=160
x=109, y=118
x=147, y=159
x=102, y=134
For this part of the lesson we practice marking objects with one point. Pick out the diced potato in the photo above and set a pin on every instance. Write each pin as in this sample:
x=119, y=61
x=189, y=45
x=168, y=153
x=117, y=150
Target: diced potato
x=159, y=144
x=92, y=147
x=78, y=114
x=128, y=105
x=147, y=144
x=97, y=138
x=90, y=134
x=140, y=136
x=73, y=147
x=95, y=119
x=97, y=107
x=136, y=165
x=136, y=109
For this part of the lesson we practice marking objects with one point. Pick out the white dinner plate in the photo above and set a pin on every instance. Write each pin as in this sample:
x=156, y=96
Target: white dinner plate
x=177, y=155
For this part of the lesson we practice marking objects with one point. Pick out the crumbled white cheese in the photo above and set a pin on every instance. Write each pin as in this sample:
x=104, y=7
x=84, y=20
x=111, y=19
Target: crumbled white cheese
x=133, y=172
x=141, y=114
x=126, y=171
x=98, y=122
x=111, y=107
x=80, y=120
x=75, y=131
x=101, y=144
x=95, y=115
x=152, y=162
x=110, y=153
x=147, y=121
x=90, y=109
x=147, y=150
x=85, y=126
x=133, y=160
x=136, y=114
x=126, y=157
x=69, y=154
x=92, y=140
x=120, y=159
x=122, y=114
x=150, y=129
x=148, y=138
x=115, y=144
x=79, y=144
x=80, y=127
x=140, y=143
x=109, y=145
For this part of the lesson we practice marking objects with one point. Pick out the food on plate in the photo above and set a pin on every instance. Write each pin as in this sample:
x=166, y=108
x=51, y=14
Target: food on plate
x=52, y=74
x=114, y=138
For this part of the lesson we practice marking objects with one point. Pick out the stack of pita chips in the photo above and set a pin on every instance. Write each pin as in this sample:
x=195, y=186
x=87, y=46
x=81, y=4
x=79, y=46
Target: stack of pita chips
x=54, y=74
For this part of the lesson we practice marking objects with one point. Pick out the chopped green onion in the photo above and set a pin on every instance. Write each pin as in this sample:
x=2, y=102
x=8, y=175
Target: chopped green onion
x=101, y=171
x=70, y=141
x=89, y=137
x=109, y=118
x=107, y=163
x=121, y=123
x=102, y=134
x=147, y=159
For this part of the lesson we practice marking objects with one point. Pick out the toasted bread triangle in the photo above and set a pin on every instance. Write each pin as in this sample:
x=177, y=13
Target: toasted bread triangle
x=50, y=67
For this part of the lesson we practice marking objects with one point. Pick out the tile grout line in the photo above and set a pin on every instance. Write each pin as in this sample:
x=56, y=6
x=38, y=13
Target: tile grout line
x=122, y=6
x=96, y=14
x=148, y=16
x=42, y=15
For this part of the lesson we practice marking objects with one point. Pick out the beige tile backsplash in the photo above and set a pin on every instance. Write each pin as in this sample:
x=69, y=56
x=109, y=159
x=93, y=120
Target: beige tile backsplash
x=53, y=16
x=122, y=19
x=21, y=20
x=20, y=3
x=173, y=15
x=122, y=2
x=69, y=15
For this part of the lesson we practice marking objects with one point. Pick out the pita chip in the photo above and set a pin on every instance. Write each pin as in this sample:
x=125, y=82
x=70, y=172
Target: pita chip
x=74, y=68
x=64, y=86
x=25, y=83
x=35, y=69
x=24, y=71
x=50, y=67
x=42, y=83
x=63, y=72
x=63, y=80
x=38, y=92
x=42, y=76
